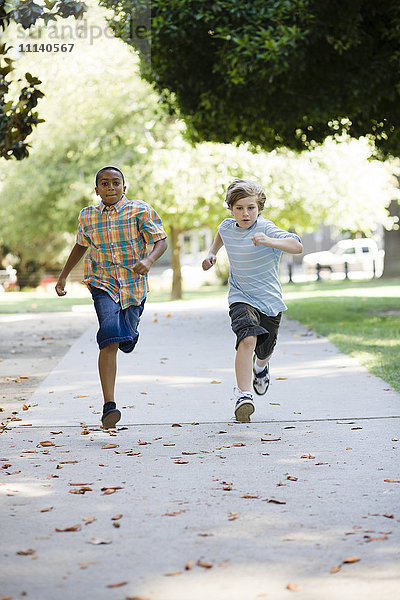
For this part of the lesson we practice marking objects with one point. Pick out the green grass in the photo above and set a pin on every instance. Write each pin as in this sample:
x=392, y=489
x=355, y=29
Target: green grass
x=355, y=317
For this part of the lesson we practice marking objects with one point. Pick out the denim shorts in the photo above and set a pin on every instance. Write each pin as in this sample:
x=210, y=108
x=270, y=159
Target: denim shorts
x=115, y=323
x=247, y=321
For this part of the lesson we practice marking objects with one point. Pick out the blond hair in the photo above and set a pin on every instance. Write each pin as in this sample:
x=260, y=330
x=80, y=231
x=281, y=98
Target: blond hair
x=242, y=188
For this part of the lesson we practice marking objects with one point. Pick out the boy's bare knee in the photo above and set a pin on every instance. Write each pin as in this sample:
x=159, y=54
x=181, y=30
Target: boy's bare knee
x=248, y=342
x=110, y=348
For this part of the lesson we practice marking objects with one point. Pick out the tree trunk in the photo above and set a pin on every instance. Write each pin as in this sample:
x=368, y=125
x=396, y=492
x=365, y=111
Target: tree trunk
x=176, y=291
x=29, y=273
x=392, y=245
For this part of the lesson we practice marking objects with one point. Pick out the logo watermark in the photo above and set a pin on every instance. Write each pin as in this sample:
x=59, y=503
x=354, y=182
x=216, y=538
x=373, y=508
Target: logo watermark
x=133, y=28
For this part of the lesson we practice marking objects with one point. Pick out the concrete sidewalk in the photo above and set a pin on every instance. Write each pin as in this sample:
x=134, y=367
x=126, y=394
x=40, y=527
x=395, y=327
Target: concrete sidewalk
x=182, y=503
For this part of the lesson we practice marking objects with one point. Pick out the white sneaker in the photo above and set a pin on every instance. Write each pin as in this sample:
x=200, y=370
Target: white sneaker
x=261, y=381
x=244, y=406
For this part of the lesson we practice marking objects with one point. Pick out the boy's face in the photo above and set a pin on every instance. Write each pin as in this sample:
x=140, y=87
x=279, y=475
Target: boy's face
x=110, y=187
x=245, y=211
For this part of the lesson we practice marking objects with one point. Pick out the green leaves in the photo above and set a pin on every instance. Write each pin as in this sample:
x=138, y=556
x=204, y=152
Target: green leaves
x=276, y=72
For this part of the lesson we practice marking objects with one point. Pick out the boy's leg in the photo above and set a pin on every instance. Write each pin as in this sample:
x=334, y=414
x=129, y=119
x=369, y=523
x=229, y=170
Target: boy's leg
x=244, y=362
x=244, y=406
x=107, y=373
x=264, y=349
x=260, y=364
x=108, y=370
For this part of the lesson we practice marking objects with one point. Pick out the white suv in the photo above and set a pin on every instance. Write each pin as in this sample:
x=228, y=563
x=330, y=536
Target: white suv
x=361, y=254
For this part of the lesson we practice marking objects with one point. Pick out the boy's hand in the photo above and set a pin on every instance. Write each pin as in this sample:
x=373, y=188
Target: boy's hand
x=263, y=240
x=142, y=267
x=209, y=262
x=60, y=285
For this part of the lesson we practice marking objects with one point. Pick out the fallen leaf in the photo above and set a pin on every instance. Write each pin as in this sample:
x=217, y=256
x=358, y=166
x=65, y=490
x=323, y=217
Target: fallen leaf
x=28, y=552
x=204, y=564
x=291, y=478
x=189, y=565
x=143, y=443
x=82, y=396
x=307, y=456
x=273, y=501
x=181, y=462
x=97, y=541
x=25, y=407
x=173, y=574
x=47, y=509
x=392, y=480
x=280, y=378
x=176, y=425
x=73, y=528
x=108, y=446
x=238, y=444
x=375, y=539
x=110, y=490
x=294, y=587
x=81, y=490
x=335, y=569
x=270, y=439
x=173, y=514
x=89, y=520
x=85, y=563
x=47, y=443
x=249, y=496
x=351, y=559
x=232, y=516
x=215, y=381
x=389, y=516
x=116, y=517
x=117, y=585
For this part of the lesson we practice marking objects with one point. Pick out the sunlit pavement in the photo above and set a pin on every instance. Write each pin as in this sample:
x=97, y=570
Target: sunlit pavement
x=181, y=502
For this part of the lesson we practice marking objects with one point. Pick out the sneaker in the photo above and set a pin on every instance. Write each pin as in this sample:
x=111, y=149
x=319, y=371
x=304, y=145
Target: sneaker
x=111, y=415
x=261, y=380
x=244, y=406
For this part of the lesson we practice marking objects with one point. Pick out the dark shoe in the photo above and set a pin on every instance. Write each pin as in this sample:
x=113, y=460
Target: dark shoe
x=261, y=381
x=111, y=415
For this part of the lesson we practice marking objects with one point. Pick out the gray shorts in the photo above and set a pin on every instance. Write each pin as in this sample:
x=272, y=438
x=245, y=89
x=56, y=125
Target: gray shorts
x=247, y=321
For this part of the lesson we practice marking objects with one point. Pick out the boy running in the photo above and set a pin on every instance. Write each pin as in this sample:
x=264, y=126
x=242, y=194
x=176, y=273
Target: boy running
x=116, y=232
x=254, y=246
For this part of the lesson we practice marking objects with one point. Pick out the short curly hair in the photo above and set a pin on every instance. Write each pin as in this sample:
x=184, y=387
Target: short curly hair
x=243, y=188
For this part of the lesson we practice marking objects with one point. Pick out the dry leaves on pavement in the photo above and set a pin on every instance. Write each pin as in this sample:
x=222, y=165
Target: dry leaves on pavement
x=73, y=528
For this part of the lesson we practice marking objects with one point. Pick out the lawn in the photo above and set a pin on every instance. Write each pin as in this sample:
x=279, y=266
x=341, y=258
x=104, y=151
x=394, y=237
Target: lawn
x=361, y=318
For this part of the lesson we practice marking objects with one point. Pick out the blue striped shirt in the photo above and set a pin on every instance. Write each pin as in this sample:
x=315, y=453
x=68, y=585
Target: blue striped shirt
x=254, y=275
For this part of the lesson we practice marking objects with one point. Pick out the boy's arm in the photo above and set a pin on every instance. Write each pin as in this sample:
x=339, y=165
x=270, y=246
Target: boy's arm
x=75, y=256
x=287, y=244
x=142, y=267
x=212, y=254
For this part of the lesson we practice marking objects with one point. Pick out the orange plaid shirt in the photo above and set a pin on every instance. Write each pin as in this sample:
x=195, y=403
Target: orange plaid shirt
x=117, y=237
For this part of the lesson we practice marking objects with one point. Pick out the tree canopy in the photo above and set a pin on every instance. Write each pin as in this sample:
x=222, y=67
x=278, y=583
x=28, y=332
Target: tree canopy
x=276, y=72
